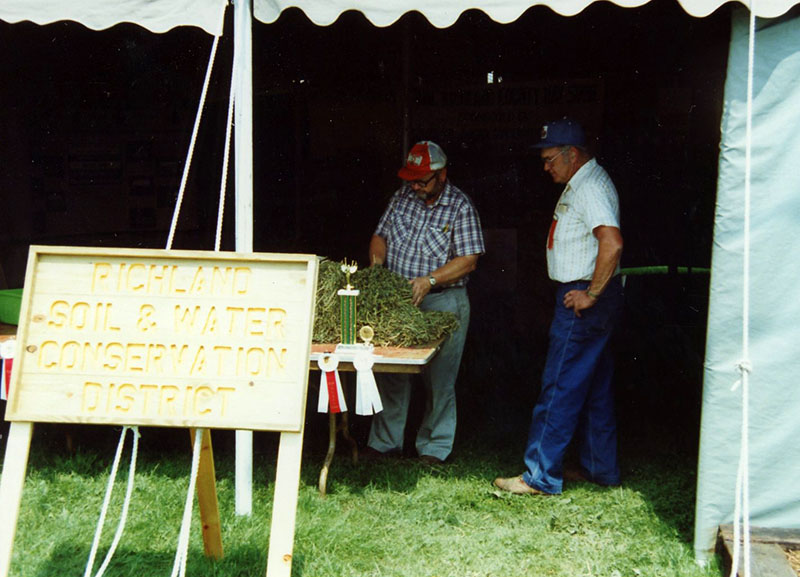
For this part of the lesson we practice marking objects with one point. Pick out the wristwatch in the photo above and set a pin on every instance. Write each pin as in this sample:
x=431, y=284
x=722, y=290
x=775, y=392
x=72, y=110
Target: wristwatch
x=432, y=280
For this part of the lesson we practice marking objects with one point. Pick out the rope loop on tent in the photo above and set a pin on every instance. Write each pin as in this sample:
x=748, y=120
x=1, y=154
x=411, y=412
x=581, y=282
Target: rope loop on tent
x=106, y=500
x=741, y=509
x=744, y=367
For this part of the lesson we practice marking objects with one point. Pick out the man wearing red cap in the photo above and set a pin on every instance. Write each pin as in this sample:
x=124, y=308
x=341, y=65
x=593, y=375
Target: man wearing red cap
x=431, y=234
x=584, y=246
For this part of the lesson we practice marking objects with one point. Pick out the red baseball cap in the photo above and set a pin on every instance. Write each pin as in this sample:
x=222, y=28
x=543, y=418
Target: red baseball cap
x=423, y=158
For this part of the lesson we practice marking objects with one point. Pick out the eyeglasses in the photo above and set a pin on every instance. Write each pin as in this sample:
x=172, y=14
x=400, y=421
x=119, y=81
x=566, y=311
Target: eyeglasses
x=549, y=161
x=423, y=183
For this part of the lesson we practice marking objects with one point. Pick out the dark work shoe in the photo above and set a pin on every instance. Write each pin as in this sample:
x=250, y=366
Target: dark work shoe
x=575, y=475
x=370, y=454
x=431, y=460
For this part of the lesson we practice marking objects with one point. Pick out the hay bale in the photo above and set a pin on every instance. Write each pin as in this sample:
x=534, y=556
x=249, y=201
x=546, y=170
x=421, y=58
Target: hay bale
x=384, y=303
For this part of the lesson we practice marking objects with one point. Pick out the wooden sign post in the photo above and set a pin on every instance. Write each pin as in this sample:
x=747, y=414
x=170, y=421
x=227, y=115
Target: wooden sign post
x=164, y=338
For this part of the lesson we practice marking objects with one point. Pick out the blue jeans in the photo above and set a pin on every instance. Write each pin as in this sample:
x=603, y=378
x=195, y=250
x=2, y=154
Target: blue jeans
x=437, y=432
x=577, y=396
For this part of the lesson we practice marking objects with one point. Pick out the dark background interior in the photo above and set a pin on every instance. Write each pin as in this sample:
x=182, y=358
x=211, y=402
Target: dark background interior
x=95, y=126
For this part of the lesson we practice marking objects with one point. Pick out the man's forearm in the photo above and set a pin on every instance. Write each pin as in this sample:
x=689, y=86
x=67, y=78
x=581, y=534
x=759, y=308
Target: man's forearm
x=608, y=254
x=377, y=250
x=455, y=269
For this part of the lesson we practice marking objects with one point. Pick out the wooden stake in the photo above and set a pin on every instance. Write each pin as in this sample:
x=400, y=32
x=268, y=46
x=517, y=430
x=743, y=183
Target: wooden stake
x=11, y=483
x=284, y=505
x=207, y=498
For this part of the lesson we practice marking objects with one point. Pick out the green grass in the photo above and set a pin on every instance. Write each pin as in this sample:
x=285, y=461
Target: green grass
x=396, y=518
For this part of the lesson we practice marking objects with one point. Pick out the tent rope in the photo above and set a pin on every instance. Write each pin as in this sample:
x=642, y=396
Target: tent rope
x=226, y=158
x=107, y=499
x=182, y=551
x=741, y=512
x=195, y=130
x=179, y=566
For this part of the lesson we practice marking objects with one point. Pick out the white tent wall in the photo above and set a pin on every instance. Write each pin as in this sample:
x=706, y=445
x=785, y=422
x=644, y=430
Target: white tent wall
x=774, y=456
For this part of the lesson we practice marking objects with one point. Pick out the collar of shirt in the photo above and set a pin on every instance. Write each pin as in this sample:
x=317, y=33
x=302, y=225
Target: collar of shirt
x=444, y=199
x=582, y=174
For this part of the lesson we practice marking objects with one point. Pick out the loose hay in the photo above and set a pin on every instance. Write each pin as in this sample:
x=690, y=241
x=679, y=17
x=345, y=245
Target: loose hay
x=384, y=303
x=793, y=555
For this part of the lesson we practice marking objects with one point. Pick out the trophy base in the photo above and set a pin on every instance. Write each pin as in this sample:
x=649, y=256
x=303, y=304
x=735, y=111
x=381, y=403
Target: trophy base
x=351, y=349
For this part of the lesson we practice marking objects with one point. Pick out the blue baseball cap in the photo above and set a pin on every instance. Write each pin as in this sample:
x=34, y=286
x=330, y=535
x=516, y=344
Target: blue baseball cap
x=564, y=132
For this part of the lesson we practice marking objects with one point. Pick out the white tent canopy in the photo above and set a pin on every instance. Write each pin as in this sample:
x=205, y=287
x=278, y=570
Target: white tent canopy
x=162, y=15
x=445, y=12
x=155, y=15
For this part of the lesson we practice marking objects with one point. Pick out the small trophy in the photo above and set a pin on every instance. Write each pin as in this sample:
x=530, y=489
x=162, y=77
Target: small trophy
x=347, y=301
x=367, y=333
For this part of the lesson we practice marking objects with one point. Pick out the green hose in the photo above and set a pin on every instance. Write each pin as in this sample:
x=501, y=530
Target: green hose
x=643, y=270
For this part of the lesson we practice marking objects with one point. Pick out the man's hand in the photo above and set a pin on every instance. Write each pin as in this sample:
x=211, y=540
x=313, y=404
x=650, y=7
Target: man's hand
x=420, y=287
x=578, y=301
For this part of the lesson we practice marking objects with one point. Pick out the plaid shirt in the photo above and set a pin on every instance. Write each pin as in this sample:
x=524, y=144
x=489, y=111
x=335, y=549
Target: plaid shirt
x=421, y=238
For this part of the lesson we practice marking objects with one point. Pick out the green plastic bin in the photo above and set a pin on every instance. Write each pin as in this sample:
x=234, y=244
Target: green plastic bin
x=10, y=301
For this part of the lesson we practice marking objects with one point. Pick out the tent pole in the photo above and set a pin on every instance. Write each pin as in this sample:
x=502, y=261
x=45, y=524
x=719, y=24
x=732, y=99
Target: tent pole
x=243, y=179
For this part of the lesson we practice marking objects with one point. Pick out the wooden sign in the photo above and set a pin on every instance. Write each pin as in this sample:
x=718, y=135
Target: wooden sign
x=168, y=338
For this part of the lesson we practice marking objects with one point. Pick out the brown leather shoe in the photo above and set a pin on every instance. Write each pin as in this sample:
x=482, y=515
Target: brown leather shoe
x=516, y=486
x=431, y=460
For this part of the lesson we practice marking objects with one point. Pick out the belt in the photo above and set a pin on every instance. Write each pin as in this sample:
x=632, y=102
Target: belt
x=613, y=279
x=440, y=289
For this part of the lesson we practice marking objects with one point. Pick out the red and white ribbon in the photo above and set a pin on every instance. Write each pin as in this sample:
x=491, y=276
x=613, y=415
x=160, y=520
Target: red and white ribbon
x=7, y=349
x=331, y=397
x=368, y=399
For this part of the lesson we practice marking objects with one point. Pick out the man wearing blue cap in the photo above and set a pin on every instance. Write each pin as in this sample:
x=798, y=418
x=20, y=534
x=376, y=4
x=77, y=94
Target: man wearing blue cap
x=584, y=246
x=431, y=234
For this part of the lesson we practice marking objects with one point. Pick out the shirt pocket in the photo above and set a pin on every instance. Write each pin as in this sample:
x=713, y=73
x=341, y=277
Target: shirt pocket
x=400, y=231
x=436, y=243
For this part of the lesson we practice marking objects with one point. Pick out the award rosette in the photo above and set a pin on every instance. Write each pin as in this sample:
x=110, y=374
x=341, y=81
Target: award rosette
x=7, y=349
x=368, y=400
x=331, y=397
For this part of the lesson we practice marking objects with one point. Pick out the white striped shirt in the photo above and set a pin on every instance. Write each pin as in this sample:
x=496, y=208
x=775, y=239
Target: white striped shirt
x=588, y=201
